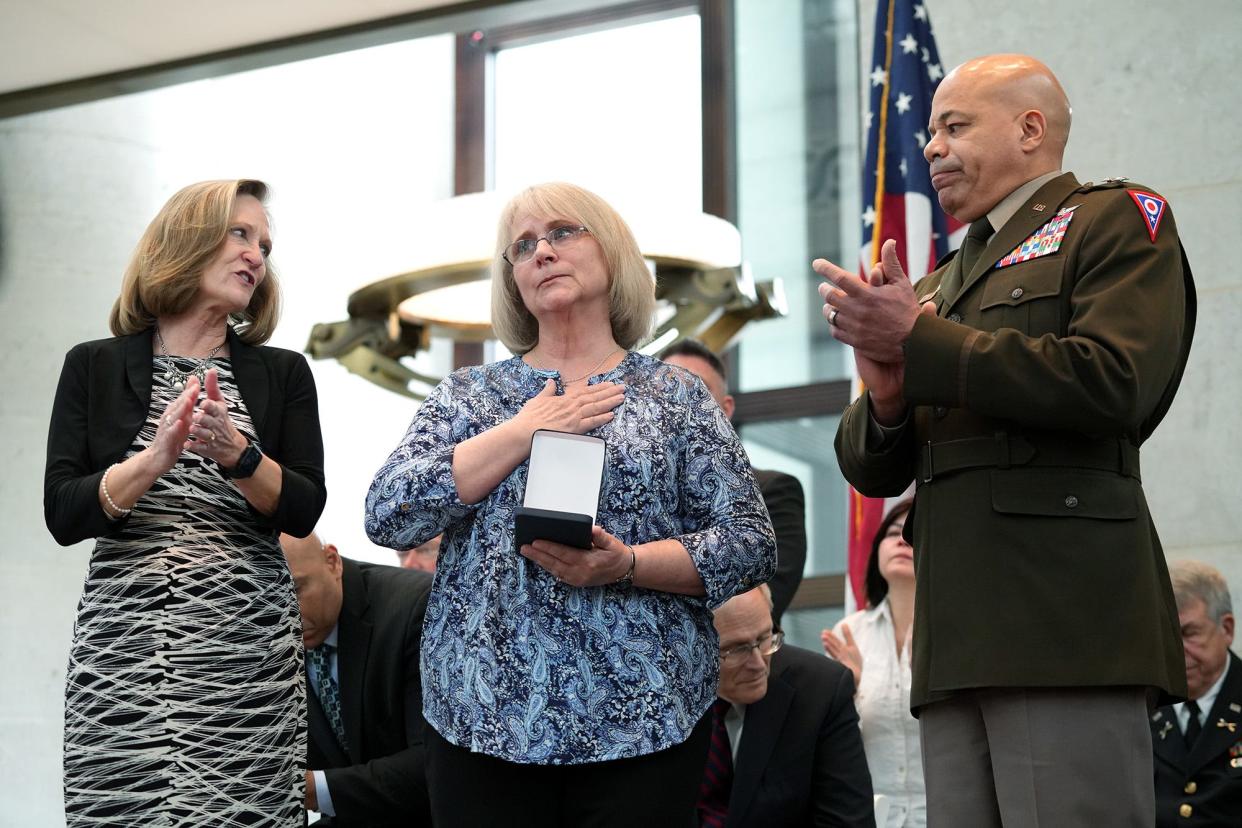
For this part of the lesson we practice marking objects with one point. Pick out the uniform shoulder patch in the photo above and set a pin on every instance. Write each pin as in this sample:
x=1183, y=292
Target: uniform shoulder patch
x=1151, y=208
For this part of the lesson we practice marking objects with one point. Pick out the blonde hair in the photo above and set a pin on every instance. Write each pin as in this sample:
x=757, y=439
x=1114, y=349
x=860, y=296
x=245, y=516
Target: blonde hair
x=163, y=275
x=631, y=289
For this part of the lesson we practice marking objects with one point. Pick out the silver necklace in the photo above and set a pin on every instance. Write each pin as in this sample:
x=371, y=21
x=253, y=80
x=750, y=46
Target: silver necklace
x=588, y=373
x=178, y=377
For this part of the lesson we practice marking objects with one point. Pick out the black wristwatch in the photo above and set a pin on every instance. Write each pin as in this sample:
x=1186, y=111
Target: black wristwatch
x=246, y=464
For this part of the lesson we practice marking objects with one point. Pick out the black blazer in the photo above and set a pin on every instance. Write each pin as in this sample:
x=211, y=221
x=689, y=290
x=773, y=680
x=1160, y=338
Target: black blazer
x=101, y=404
x=1208, y=778
x=381, y=781
x=800, y=761
x=782, y=494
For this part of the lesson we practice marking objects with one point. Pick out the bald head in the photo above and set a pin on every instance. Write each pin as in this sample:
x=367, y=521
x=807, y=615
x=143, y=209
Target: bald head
x=997, y=122
x=741, y=622
x=1022, y=83
x=316, y=570
x=307, y=550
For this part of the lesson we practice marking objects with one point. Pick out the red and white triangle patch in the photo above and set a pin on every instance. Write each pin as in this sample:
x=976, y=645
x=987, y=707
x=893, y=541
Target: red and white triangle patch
x=1151, y=207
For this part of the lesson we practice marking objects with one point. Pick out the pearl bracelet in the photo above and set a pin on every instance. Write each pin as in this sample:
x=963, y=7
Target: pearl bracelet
x=117, y=511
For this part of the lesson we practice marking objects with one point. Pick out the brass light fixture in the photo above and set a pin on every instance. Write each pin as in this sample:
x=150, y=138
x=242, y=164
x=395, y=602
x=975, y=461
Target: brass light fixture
x=704, y=289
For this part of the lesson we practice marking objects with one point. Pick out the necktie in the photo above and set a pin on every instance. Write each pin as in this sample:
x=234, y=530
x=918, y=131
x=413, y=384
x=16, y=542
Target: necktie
x=320, y=661
x=967, y=255
x=717, y=781
x=1193, y=727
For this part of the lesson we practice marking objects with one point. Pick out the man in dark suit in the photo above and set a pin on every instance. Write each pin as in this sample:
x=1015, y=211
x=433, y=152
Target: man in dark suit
x=1015, y=385
x=1198, y=743
x=782, y=493
x=786, y=749
x=361, y=625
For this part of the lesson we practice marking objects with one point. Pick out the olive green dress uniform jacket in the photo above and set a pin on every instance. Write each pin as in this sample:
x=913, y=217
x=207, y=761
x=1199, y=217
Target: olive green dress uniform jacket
x=1037, y=562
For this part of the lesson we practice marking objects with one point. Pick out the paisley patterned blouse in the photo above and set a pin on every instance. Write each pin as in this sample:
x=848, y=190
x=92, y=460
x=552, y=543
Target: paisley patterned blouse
x=521, y=666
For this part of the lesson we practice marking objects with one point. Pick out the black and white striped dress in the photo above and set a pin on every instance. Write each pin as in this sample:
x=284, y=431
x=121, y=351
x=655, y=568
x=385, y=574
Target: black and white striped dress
x=185, y=700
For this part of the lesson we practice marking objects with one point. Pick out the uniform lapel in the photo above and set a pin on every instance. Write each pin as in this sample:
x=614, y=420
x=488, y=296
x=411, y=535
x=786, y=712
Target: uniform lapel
x=251, y=380
x=1023, y=223
x=760, y=732
x=1166, y=737
x=1215, y=739
x=353, y=650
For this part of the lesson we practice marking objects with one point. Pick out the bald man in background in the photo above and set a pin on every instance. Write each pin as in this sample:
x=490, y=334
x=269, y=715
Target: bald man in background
x=1015, y=384
x=362, y=628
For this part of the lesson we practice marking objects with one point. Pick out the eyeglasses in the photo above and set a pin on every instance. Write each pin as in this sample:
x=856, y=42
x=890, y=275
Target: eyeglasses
x=735, y=656
x=523, y=250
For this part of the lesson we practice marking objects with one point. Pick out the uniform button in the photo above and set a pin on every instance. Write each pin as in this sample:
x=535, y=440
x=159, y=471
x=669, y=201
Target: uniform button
x=955, y=317
x=1071, y=502
x=940, y=412
x=1191, y=787
x=1185, y=810
x=1016, y=293
x=405, y=507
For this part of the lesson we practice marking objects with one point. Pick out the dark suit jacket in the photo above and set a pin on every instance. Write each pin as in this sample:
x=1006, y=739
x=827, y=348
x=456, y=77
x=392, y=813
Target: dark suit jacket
x=381, y=780
x=800, y=761
x=1036, y=558
x=101, y=404
x=782, y=494
x=1209, y=778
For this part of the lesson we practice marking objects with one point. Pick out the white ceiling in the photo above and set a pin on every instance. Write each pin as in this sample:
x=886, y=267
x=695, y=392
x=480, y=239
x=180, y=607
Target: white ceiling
x=49, y=41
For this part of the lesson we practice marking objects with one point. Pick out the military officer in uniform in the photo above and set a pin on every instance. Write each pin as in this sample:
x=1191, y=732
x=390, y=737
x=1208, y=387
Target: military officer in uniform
x=1198, y=743
x=1015, y=384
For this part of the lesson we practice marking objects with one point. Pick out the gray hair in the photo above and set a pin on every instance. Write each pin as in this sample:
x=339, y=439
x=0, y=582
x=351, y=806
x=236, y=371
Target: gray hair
x=631, y=292
x=763, y=589
x=1197, y=581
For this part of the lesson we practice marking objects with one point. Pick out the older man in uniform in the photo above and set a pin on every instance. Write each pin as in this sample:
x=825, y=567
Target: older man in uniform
x=1015, y=384
x=1198, y=743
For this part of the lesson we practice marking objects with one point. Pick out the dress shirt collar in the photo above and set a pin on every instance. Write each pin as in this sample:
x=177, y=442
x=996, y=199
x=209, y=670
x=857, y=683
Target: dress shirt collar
x=1205, y=702
x=734, y=719
x=1004, y=210
x=332, y=636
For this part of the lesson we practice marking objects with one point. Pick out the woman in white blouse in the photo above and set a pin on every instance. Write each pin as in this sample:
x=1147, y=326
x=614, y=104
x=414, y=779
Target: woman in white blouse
x=878, y=638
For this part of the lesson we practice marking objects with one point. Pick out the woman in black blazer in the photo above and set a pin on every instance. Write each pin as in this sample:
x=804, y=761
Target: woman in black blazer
x=184, y=447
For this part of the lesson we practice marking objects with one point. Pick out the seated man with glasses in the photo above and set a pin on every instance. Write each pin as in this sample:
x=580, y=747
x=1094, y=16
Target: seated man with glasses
x=785, y=747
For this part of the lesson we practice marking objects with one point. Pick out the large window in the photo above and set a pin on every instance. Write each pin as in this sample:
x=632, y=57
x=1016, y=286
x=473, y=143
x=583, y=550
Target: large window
x=582, y=108
x=798, y=161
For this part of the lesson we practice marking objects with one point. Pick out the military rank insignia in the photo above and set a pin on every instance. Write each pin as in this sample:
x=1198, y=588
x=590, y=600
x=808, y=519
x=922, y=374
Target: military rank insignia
x=1151, y=207
x=1042, y=242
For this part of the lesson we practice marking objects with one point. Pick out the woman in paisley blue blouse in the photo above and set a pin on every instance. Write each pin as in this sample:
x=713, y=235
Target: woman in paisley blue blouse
x=562, y=686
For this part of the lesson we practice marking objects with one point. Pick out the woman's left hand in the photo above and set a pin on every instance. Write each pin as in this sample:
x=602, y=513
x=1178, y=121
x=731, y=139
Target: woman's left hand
x=213, y=434
x=608, y=560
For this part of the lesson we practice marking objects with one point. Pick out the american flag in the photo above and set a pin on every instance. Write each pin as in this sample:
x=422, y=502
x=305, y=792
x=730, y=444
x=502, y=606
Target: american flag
x=898, y=200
